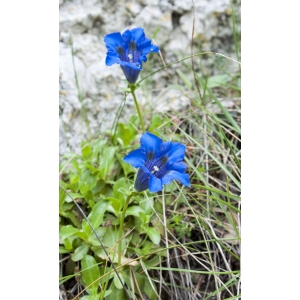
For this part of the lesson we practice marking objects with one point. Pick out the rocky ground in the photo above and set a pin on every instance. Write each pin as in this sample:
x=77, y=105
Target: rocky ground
x=101, y=88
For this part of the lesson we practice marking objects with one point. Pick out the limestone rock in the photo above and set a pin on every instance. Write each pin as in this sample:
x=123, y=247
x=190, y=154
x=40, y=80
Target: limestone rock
x=89, y=104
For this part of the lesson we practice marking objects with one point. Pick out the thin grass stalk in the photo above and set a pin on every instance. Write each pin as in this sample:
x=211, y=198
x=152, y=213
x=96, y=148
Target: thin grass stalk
x=118, y=115
x=121, y=228
x=80, y=95
x=185, y=58
x=167, y=241
x=171, y=234
x=217, y=279
x=192, y=43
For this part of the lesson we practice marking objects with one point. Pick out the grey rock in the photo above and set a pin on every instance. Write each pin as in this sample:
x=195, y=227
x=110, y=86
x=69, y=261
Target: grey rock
x=152, y=18
x=170, y=99
x=101, y=88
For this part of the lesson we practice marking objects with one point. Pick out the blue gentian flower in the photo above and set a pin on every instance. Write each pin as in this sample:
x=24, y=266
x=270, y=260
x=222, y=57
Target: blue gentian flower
x=159, y=162
x=128, y=50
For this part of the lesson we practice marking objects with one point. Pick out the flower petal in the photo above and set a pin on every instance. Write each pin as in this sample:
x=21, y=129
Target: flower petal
x=112, y=58
x=136, y=158
x=142, y=181
x=178, y=166
x=130, y=73
x=126, y=35
x=151, y=143
x=176, y=153
x=175, y=175
x=165, y=147
x=137, y=35
x=114, y=40
x=150, y=48
x=145, y=48
x=144, y=44
x=136, y=66
x=155, y=184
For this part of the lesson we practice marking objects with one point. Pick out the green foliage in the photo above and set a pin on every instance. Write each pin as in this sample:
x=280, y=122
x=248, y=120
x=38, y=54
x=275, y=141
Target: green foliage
x=90, y=274
x=97, y=180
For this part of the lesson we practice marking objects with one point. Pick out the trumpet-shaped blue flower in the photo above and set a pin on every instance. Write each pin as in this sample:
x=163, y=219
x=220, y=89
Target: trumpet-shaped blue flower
x=159, y=162
x=129, y=50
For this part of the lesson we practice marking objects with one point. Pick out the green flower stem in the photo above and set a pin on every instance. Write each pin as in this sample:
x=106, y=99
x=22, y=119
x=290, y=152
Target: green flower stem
x=121, y=228
x=132, y=89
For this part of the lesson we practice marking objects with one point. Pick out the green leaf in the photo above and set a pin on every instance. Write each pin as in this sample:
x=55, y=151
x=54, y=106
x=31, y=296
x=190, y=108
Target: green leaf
x=154, y=235
x=68, y=242
x=90, y=272
x=100, y=232
x=146, y=205
x=62, y=197
x=97, y=148
x=87, y=181
x=115, y=206
x=75, y=164
x=86, y=151
x=89, y=297
x=107, y=292
x=111, y=237
x=148, y=288
x=73, y=218
x=156, y=122
x=113, y=256
x=147, y=246
x=124, y=135
x=89, y=196
x=116, y=294
x=85, y=226
x=96, y=215
x=107, y=161
x=126, y=167
x=74, y=178
x=87, y=165
x=99, y=187
x=62, y=250
x=169, y=188
x=134, y=211
x=83, y=235
x=75, y=196
x=217, y=80
x=143, y=217
x=67, y=231
x=80, y=252
x=121, y=183
x=154, y=261
x=67, y=207
x=157, y=224
x=124, y=191
x=98, y=251
x=138, y=281
x=185, y=79
x=117, y=282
